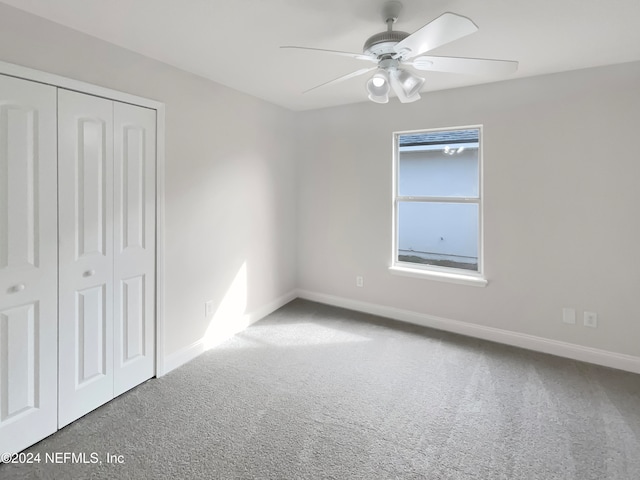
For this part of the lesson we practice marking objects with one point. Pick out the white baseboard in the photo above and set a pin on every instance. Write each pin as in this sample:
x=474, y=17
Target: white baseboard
x=188, y=353
x=182, y=356
x=605, y=358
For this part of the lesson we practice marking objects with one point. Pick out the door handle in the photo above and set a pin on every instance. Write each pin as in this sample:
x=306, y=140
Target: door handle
x=89, y=273
x=16, y=288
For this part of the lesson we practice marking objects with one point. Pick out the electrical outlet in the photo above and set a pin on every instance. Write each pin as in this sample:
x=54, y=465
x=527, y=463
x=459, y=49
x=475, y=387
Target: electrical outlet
x=359, y=281
x=208, y=309
x=590, y=319
x=569, y=316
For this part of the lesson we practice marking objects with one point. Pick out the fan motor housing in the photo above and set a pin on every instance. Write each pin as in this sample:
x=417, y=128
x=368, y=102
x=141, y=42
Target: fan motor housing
x=382, y=43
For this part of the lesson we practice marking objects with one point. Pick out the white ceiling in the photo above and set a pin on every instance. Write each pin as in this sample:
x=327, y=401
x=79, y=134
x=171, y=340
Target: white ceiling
x=235, y=42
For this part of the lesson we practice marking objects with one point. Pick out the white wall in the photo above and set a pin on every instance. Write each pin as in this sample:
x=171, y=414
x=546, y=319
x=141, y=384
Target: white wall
x=561, y=217
x=561, y=221
x=230, y=191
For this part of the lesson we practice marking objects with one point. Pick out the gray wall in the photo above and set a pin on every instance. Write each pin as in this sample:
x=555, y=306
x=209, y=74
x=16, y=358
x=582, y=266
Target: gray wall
x=230, y=195
x=561, y=222
x=560, y=204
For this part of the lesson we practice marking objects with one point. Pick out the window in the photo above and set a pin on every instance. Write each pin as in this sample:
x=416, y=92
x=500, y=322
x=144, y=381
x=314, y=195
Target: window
x=437, y=202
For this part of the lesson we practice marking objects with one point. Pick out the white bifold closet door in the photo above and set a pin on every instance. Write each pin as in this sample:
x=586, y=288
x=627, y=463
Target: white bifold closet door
x=134, y=230
x=28, y=263
x=106, y=180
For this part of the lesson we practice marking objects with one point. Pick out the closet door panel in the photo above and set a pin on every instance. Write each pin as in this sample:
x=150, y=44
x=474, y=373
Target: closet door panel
x=85, y=177
x=28, y=263
x=134, y=256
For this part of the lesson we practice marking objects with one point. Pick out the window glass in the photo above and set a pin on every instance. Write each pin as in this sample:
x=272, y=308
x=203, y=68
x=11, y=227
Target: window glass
x=439, y=164
x=440, y=234
x=436, y=174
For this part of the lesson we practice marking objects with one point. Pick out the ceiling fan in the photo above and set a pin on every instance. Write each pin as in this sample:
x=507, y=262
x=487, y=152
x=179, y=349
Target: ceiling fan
x=392, y=51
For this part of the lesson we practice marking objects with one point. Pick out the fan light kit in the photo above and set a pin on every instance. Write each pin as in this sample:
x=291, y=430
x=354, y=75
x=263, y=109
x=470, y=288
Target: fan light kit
x=393, y=51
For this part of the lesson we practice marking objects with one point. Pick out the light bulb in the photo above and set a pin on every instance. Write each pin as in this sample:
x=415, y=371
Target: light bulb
x=378, y=87
x=410, y=83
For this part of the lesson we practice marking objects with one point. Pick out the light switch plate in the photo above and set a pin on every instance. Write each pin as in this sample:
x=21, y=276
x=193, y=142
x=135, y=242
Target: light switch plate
x=569, y=316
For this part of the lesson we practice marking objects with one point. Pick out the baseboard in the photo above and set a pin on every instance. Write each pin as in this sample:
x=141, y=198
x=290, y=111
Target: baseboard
x=605, y=358
x=182, y=356
x=188, y=353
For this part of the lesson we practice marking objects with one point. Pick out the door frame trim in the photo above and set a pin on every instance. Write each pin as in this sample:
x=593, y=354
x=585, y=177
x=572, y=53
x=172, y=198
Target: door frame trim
x=25, y=73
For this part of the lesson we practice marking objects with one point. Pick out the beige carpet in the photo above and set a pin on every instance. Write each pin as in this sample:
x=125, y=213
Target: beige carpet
x=316, y=392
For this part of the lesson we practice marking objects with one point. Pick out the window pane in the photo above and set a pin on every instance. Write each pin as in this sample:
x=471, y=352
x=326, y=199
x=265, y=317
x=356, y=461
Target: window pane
x=439, y=164
x=442, y=234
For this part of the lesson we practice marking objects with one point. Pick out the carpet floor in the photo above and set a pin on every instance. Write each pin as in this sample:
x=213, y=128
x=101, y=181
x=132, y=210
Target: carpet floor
x=318, y=392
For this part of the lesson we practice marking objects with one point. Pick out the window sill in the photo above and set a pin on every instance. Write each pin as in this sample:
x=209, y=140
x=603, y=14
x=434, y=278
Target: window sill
x=459, y=279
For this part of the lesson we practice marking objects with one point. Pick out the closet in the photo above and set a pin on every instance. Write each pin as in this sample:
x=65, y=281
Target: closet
x=77, y=255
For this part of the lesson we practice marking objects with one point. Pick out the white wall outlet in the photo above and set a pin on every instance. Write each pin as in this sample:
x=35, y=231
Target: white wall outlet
x=359, y=281
x=590, y=319
x=208, y=309
x=569, y=316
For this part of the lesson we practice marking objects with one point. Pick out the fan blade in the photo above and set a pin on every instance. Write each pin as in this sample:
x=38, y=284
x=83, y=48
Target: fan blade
x=472, y=66
x=444, y=29
x=358, y=56
x=362, y=71
x=395, y=85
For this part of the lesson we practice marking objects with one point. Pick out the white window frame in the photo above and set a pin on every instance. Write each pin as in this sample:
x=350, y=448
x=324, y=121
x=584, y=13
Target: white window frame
x=434, y=272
